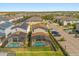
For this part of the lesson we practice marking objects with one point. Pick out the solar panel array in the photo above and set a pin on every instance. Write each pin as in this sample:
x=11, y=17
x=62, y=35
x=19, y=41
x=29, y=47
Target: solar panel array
x=5, y=25
x=24, y=26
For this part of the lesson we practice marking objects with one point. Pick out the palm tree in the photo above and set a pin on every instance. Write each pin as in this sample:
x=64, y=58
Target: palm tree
x=29, y=37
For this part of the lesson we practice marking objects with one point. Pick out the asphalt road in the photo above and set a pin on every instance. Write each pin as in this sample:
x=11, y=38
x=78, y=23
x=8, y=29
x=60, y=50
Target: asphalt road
x=70, y=44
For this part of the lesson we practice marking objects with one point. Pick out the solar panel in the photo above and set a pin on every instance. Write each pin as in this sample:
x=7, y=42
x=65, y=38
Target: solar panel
x=5, y=25
x=24, y=26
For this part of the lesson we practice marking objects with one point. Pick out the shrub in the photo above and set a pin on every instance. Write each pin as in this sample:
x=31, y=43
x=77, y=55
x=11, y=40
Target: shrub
x=62, y=39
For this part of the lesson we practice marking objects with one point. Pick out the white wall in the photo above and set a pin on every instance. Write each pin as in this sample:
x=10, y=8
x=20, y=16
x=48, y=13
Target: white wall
x=8, y=30
x=71, y=22
x=18, y=29
x=28, y=29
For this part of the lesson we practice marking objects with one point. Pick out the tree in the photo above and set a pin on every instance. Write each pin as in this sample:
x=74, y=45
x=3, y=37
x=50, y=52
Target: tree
x=62, y=39
x=26, y=17
x=29, y=37
x=48, y=17
x=74, y=26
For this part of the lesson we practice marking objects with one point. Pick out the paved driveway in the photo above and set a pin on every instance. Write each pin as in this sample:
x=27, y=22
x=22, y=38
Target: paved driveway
x=71, y=44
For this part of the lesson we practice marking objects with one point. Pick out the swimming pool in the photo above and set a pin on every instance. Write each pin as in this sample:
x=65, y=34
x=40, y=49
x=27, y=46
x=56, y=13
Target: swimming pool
x=39, y=44
x=14, y=45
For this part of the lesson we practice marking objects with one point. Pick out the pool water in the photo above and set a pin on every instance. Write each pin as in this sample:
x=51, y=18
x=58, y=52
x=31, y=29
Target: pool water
x=39, y=44
x=14, y=45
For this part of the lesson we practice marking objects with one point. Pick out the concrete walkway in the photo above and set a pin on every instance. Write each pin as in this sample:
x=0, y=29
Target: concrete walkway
x=3, y=53
x=71, y=44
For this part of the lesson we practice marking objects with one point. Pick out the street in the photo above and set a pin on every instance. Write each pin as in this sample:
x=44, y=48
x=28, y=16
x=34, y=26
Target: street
x=70, y=44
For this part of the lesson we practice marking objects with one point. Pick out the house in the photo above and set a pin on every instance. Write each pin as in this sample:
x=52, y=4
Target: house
x=5, y=31
x=77, y=30
x=34, y=19
x=16, y=40
x=40, y=39
x=65, y=20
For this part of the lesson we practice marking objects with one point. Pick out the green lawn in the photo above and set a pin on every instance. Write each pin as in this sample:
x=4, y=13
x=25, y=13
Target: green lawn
x=40, y=53
x=39, y=49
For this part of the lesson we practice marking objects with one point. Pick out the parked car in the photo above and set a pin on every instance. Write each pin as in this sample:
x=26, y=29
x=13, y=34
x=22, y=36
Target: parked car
x=55, y=33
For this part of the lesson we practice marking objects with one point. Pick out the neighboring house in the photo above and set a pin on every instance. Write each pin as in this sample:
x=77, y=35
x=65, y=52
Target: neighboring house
x=34, y=19
x=66, y=20
x=77, y=30
x=2, y=18
x=77, y=26
x=5, y=31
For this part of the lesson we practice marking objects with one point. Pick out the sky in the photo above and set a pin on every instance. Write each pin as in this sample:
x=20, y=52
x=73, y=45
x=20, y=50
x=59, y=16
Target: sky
x=39, y=6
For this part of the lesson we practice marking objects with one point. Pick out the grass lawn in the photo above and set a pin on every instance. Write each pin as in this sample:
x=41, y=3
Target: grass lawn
x=39, y=49
x=40, y=53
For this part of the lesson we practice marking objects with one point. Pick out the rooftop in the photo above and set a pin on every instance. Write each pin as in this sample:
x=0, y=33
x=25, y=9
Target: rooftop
x=67, y=18
x=5, y=25
x=23, y=26
x=39, y=33
x=34, y=19
x=2, y=18
x=42, y=26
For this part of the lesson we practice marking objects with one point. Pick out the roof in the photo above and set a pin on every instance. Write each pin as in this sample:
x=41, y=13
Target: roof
x=43, y=35
x=34, y=19
x=19, y=35
x=66, y=18
x=39, y=30
x=39, y=33
x=2, y=34
x=70, y=19
x=5, y=25
x=23, y=26
x=2, y=18
x=77, y=26
x=43, y=26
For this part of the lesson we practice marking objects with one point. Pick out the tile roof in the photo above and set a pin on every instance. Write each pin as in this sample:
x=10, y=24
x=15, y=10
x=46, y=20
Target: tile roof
x=34, y=19
x=43, y=26
x=67, y=18
x=2, y=18
x=39, y=33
